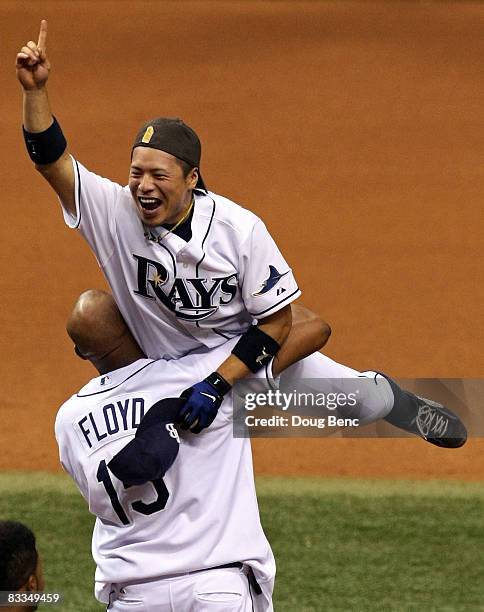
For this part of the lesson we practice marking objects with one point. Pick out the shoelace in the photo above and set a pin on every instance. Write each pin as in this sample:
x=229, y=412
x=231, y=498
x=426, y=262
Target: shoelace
x=430, y=421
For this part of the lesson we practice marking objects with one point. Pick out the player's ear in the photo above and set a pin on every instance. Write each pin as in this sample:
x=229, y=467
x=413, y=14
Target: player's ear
x=192, y=178
x=78, y=352
x=32, y=584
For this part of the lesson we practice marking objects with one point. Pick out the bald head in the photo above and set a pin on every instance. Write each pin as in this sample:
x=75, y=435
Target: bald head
x=99, y=332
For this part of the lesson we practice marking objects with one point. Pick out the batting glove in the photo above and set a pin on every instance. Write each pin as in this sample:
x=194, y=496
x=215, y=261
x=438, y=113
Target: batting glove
x=202, y=403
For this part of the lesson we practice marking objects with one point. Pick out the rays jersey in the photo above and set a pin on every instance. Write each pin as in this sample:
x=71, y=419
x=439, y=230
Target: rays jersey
x=174, y=295
x=202, y=514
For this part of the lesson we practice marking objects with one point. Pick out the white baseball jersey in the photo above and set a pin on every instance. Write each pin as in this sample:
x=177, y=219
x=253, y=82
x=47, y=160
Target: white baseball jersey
x=202, y=514
x=174, y=295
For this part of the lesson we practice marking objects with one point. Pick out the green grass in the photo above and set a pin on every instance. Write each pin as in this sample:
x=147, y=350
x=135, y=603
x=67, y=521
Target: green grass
x=340, y=545
x=375, y=545
x=52, y=507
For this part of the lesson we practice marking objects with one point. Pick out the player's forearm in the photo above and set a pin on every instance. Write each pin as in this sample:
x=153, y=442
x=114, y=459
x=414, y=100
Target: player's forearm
x=37, y=116
x=308, y=334
x=277, y=326
x=47, y=146
x=232, y=369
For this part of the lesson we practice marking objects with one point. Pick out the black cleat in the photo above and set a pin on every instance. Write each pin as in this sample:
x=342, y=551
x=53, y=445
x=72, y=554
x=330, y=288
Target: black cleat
x=438, y=425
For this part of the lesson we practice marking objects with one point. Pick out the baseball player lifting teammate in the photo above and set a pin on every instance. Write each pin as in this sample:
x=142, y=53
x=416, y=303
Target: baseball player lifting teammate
x=177, y=524
x=190, y=269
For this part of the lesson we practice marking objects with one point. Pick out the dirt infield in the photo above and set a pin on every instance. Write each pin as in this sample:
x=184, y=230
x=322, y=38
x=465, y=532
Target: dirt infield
x=353, y=129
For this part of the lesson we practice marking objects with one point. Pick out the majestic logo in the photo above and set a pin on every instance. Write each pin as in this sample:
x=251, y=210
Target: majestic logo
x=190, y=299
x=269, y=283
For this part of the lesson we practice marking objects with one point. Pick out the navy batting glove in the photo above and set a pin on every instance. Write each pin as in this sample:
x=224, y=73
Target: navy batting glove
x=202, y=403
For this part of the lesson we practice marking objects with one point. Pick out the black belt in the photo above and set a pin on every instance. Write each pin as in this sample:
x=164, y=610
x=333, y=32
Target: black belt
x=250, y=574
x=226, y=566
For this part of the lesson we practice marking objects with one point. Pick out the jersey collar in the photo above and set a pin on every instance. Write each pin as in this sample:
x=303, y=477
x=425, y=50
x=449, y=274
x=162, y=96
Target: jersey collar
x=202, y=219
x=107, y=382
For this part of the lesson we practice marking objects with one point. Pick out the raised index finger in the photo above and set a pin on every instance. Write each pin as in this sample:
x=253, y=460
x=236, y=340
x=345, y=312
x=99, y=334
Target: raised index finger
x=42, y=42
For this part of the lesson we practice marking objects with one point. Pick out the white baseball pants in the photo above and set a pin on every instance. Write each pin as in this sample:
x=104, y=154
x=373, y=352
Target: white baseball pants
x=213, y=590
x=320, y=373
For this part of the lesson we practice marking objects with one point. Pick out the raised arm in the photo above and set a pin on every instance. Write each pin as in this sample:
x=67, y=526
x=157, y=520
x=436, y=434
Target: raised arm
x=44, y=139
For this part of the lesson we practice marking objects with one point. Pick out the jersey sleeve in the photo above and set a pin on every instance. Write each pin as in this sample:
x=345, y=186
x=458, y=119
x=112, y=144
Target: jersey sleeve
x=68, y=450
x=96, y=198
x=267, y=282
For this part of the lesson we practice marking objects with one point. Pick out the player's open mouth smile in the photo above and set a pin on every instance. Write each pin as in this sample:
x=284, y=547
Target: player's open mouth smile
x=149, y=205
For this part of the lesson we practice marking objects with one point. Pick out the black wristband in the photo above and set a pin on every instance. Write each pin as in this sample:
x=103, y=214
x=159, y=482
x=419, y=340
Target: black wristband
x=219, y=383
x=255, y=348
x=45, y=147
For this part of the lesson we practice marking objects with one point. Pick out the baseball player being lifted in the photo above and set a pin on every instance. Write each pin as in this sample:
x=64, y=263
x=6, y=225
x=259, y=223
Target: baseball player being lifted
x=190, y=269
x=170, y=535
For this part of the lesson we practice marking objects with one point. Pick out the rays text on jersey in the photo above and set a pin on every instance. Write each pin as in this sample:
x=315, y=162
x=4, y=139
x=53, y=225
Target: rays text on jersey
x=191, y=299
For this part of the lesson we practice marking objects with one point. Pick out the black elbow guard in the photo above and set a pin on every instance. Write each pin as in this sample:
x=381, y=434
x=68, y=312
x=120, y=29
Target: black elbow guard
x=255, y=348
x=45, y=147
